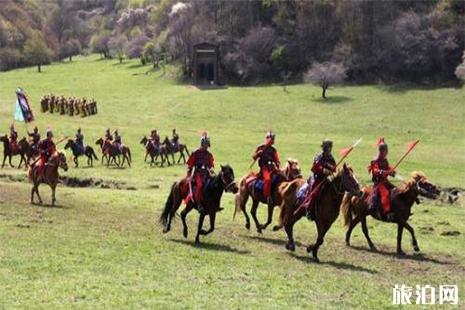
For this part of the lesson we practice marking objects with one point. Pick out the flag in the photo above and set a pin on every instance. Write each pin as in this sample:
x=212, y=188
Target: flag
x=412, y=144
x=23, y=112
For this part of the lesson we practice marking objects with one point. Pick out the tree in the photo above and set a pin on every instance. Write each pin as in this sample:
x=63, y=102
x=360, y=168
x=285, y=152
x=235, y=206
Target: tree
x=135, y=46
x=36, y=52
x=70, y=48
x=325, y=74
x=99, y=43
x=460, y=70
x=117, y=46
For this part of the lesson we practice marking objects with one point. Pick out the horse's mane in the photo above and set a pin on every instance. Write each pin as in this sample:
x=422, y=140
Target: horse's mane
x=415, y=176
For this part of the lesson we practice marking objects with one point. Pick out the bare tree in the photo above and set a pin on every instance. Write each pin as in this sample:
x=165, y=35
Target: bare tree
x=325, y=74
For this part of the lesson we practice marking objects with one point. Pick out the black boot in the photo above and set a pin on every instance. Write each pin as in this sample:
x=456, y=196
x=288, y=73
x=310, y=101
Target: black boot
x=201, y=209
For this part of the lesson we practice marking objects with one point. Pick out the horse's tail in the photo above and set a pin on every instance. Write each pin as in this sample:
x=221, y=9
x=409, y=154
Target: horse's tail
x=240, y=199
x=346, y=209
x=168, y=213
x=187, y=151
x=92, y=153
x=129, y=154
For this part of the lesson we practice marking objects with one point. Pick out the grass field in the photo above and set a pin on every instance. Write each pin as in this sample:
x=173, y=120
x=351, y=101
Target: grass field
x=102, y=248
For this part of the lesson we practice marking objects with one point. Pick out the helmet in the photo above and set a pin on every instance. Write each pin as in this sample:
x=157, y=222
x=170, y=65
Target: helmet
x=269, y=138
x=153, y=131
x=382, y=145
x=49, y=133
x=205, y=140
x=116, y=131
x=326, y=143
x=36, y=129
x=79, y=129
x=108, y=130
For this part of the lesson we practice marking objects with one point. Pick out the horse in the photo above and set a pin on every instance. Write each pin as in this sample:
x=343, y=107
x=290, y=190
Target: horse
x=355, y=210
x=222, y=182
x=326, y=208
x=88, y=152
x=173, y=149
x=247, y=189
x=50, y=175
x=112, y=153
x=22, y=149
x=154, y=152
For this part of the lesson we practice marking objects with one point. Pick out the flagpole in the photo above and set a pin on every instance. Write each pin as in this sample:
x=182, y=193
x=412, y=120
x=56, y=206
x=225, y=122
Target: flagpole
x=406, y=153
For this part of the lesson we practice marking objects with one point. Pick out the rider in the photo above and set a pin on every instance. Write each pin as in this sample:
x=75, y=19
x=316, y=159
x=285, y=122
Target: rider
x=35, y=137
x=46, y=149
x=13, y=137
x=80, y=141
x=175, y=139
x=155, y=139
x=108, y=135
x=323, y=165
x=380, y=171
x=268, y=161
x=202, y=162
x=117, y=141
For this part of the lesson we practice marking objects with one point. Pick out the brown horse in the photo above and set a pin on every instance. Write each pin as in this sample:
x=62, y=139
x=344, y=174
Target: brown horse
x=222, y=182
x=22, y=150
x=180, y=148
x=246, y=189
x=50, y=175
x=153, y=152
x=112, y=153
x=355, y=209
x=326, y=208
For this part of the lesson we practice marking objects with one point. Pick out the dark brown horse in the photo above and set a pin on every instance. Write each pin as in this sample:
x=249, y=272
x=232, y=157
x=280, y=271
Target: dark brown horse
x=153, y=152
x=222, y=182
x=112, y=153
x=326, y=208
x=173, y=149
x=22, y=150
x=355, y=209
x=246, y=189
x=49, y=176
x=88, y=152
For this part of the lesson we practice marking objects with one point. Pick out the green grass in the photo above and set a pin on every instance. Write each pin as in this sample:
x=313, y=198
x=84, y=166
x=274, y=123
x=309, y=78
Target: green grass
x=103, y=249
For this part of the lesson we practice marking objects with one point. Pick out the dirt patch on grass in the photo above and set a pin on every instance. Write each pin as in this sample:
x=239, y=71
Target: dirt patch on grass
x=452, y=195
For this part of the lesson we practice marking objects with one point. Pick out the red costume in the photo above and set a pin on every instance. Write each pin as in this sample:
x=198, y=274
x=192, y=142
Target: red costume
x=380, y=170
x=46, y=149
x=323, y=165
x=268, y=161
x=13, y=139
x=202, y=161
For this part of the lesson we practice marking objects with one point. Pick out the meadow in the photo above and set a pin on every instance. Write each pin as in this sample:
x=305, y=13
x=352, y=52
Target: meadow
x=103, y=248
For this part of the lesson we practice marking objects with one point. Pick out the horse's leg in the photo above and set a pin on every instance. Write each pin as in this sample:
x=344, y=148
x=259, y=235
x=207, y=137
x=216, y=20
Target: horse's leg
x=400, y=229
x=53, y=187
x=253, y=211
x=243, y=206
x=353, y=223
x=32, y=193
x=127, y=159
x=367, y=236
x=76, y=163
x=184, y=213
x=322, y=229
x=199, y=228
x=414, y=240
x=270, y=216
x=37, y=193
x=20, y=162
x=172, y=157
x=9, y=160
x=212, y=224
x=289, y=228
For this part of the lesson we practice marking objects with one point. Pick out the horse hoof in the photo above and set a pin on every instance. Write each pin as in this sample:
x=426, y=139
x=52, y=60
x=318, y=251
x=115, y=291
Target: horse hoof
x=309, y=248
x=165, y=230
x=416, y=248
x=184, y=233
x=203, y=232
x=347, y=243
x=373, y=248
x=259, y=230
x=197, y=241
x=290, y=247
x=276, y=228
x=316, y=259
x=401, y=253
x=247, y=225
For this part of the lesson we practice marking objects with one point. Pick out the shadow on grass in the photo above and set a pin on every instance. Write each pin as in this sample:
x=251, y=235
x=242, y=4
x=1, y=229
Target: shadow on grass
x=42, y=205
x=345, y=266
x=211, y=246
x=332, y=99
x=271, y=241
x=403, y=88
x=415, y=257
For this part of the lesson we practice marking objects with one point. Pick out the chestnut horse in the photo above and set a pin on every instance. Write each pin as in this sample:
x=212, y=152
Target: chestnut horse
x=22, y=149
x=49, y=175
x=88, y=152
x=246, y=189
x=326, y=208
x=222, y=182
x=112, y=153
x=153, y=152
x=355, y=209
x=181, y=148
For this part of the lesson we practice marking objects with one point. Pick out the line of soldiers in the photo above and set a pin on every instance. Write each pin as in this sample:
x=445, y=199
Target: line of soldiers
x=71, y=106
x=201, y=163
x=155, y=140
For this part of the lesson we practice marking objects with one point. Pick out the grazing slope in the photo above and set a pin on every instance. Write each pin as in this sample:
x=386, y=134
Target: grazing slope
x=103, y=247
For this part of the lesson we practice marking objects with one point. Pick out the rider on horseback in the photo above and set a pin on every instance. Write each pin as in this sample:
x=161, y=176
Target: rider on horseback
x=175, y=139
x=155, y=139
x=13, y=138
x=202, y=162
x=380, y=171
x=117, y=141
x=268, y=161
x=46, y=149
x=323, y=166
x=80, y=141
x=35, y=139
x=108, y=135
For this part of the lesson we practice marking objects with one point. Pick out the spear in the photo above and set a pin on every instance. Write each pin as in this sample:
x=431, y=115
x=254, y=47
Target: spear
x=410, y=147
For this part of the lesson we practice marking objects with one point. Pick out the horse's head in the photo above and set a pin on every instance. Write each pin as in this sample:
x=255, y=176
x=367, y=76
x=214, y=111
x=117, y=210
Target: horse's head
x=99, y=141
x=227, y=177
x=4, y=138
x=59, y=160
x=423, y=186
x=144, y=140
x=292, y=170
x=69, y=144
x=349, y=182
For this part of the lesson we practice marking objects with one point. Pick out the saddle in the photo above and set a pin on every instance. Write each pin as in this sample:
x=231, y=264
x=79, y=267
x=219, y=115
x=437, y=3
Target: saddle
x=13, y=147
x=258, y=183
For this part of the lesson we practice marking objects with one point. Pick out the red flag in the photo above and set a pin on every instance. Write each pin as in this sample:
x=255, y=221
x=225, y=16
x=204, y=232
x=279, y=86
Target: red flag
x=412, y=144
x=345, y=152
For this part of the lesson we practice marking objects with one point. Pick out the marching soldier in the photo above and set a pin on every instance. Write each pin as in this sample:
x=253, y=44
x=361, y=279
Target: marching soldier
x=200, y=167
x=380, y=171
x=268, y=161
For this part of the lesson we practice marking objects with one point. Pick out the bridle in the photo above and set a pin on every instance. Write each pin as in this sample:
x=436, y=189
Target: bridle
x=227, y=186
